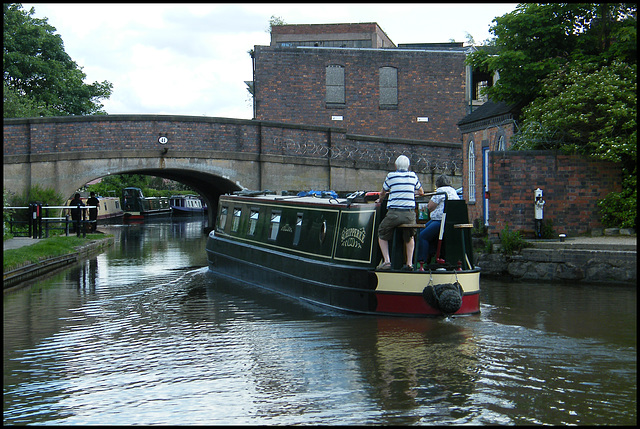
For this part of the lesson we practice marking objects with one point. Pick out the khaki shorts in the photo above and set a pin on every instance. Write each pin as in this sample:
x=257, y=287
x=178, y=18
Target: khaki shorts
x=392, y=220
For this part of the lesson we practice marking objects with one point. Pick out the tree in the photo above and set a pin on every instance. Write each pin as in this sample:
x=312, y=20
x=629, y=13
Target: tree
x=587, y=110
x=537, y=39
x=40, y=79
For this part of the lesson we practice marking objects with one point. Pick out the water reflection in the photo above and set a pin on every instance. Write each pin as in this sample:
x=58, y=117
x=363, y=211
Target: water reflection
x=145, y=334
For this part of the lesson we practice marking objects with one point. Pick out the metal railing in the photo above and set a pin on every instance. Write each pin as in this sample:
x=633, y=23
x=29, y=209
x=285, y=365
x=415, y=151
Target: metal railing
x=39, y=223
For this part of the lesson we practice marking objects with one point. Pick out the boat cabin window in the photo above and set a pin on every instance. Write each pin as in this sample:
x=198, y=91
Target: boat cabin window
x=275, y=225
x=223, y=217
x=296, y=237
x=253, y=221
x=235, y=223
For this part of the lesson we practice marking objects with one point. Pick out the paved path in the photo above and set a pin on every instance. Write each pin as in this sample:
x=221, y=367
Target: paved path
x=17, y=242
x=615, y=242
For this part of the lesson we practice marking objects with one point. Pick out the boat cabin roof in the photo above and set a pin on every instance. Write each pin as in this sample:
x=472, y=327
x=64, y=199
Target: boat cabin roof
x=294, y=199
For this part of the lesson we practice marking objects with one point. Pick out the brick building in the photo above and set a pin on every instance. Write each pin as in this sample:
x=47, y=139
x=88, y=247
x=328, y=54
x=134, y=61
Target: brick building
x=353, y=76
x=488, y=128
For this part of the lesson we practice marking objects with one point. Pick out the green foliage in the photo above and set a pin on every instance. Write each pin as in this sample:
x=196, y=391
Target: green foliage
x=619, y=209
x=151, y=186
x=18, y=105
x=6, y=214
x=479, y=228
x=37, y=194
x=511, y=241
x=114, y=184
x=40, y=79
x=536, y=40
x=547, y=229
x=275, y=20
x=586, y=110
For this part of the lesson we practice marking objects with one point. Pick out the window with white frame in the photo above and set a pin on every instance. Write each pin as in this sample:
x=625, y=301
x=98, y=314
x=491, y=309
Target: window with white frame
x=223, y=217
x=253, y=221
x=472, y=172
x=235, y=222
x=275, y=225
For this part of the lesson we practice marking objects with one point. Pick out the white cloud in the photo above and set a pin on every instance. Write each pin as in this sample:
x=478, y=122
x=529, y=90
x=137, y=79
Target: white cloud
x=191, y=59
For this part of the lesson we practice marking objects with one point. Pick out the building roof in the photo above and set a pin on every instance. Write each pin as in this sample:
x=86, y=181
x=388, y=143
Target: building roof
x=489, y=110
x=447, y=46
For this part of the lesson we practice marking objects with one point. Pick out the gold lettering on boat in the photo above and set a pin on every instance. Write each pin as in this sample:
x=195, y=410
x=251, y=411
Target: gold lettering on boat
x=286, y=228
x=353, y=237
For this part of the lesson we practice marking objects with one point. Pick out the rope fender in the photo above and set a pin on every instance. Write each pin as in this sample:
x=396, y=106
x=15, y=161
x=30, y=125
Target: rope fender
x=444, y=297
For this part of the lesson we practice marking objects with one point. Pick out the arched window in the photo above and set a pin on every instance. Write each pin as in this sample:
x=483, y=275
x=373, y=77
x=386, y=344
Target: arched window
x=335, y=84
x=500, y=142
x=388, y=87
x=472, y=172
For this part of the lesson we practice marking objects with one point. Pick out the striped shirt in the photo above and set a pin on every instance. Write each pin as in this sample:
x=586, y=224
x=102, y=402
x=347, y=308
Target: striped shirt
x=401, y=186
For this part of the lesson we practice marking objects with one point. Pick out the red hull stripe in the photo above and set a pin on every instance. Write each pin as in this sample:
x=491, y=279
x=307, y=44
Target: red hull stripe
x=415, y=304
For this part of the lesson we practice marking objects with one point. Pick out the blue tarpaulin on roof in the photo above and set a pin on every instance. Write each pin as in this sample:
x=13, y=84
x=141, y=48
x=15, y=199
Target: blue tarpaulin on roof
x=313, y=193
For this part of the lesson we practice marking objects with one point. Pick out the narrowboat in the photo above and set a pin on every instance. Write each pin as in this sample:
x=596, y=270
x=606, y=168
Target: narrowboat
x=137, y=206
x=324, y=251
x=109, y=208
x=186, y=205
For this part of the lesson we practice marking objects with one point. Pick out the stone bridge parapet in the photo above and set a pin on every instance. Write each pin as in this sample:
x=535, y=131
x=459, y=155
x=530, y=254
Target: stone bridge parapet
x=212, y=155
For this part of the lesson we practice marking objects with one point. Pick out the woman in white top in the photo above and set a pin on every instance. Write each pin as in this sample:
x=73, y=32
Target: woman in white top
x=429, y=235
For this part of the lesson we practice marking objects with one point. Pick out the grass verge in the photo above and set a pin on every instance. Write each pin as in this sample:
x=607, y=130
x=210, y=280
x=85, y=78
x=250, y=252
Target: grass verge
x=44, y=249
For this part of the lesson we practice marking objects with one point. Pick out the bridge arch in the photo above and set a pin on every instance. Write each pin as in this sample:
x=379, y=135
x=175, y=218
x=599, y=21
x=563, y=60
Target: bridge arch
x=209, y=186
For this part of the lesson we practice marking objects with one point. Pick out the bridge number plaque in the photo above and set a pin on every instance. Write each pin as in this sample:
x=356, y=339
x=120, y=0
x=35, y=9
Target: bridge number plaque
x=163, y=140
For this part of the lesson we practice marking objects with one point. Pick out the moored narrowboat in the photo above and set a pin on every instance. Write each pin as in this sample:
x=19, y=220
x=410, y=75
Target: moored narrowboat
x=186, y=205
x=108, y=210
x=138, y=207
x=324, y=250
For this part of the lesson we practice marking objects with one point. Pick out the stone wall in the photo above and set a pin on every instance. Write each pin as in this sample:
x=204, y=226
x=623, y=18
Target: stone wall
x=563, y=265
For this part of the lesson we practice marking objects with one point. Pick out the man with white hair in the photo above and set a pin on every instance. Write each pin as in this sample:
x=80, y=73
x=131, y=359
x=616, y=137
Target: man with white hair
x=401, y=185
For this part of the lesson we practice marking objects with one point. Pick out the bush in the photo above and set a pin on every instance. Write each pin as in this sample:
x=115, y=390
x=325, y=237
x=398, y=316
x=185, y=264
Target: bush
x=479, y=228
x=36, y=194
x=6, y=215
x=619, y=209
x=511, y=241
x=547, y=229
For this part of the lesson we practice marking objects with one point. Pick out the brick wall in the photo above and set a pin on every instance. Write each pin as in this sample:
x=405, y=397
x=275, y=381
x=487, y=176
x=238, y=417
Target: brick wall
x=290, y=87
x=324, y=28
x=127, y=132
x=572, y=186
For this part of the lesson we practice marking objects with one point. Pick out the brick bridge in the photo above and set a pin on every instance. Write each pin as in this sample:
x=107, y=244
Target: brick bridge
x=211, y=155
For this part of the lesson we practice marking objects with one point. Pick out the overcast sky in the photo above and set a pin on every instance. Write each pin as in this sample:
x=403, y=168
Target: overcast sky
x=191, y=59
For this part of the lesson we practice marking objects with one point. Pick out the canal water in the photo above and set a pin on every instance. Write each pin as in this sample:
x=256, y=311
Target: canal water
x=144, y=334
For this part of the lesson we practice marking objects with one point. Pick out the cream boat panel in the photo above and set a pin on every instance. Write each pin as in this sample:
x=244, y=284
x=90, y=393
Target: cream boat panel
x=394, y=281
